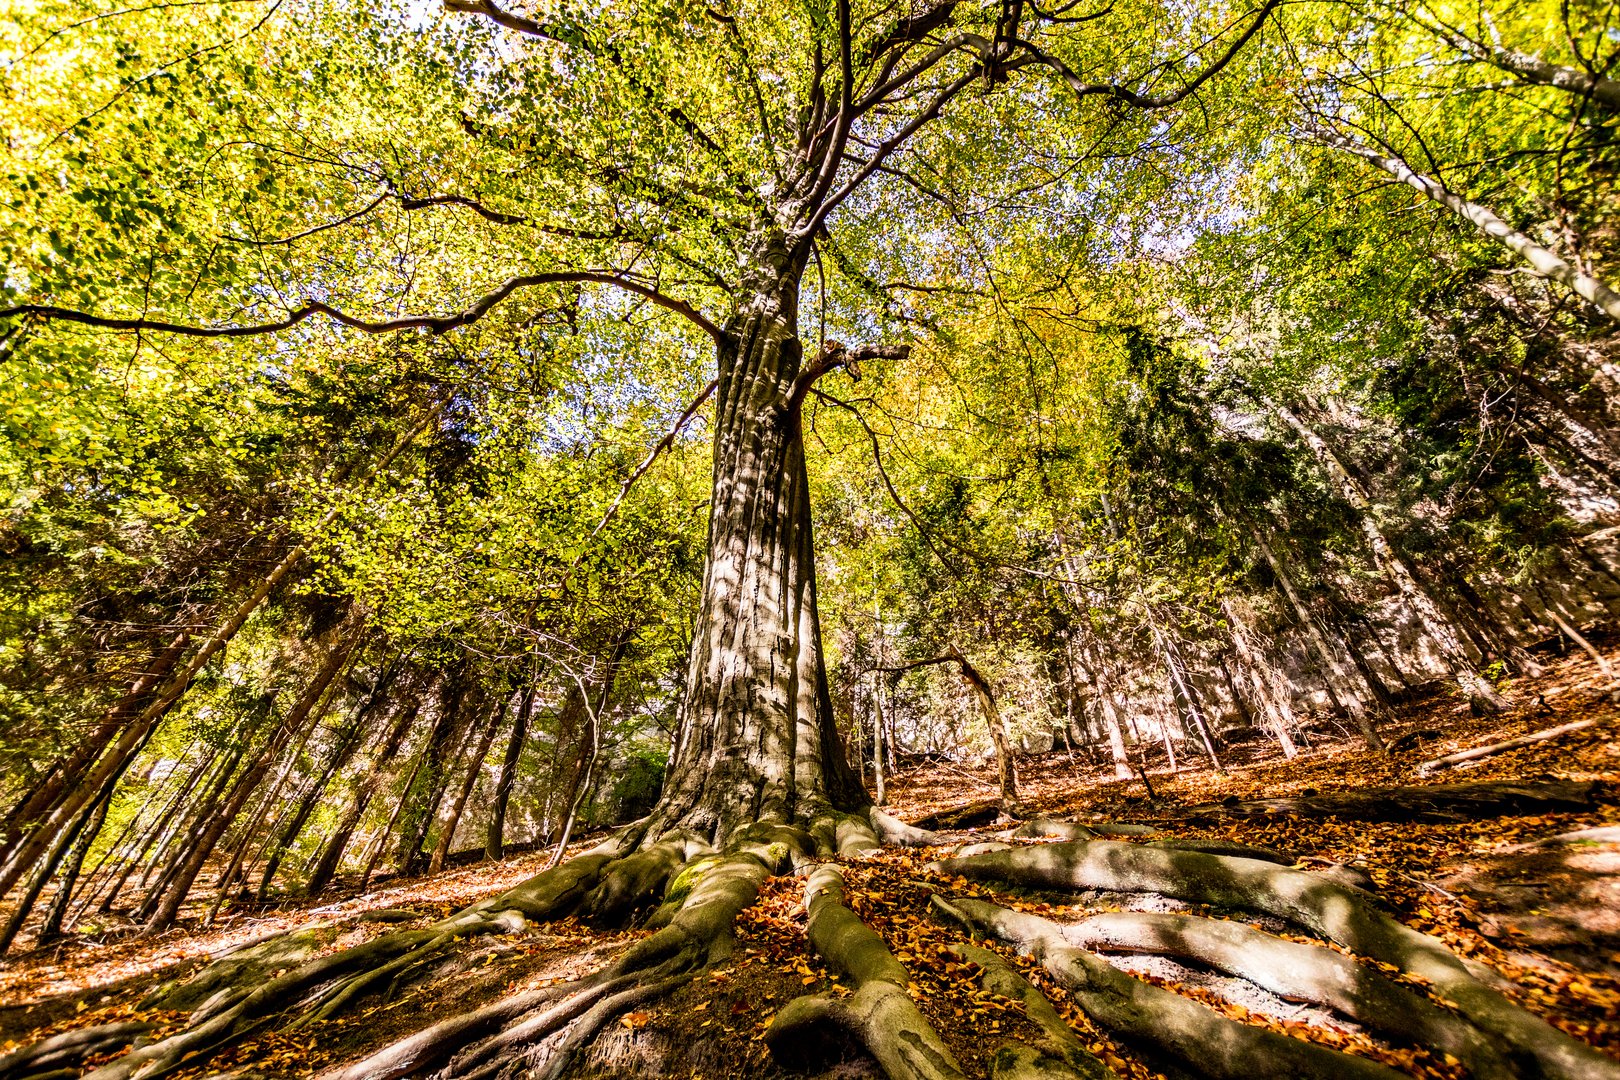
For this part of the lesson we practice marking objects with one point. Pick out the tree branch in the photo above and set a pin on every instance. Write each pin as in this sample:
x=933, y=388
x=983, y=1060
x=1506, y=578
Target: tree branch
x=437, y=324
x=1081, y=88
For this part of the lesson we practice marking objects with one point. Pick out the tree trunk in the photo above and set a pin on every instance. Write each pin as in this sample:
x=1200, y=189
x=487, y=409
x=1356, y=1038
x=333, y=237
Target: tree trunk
x=1544, y=262
x=290, y=728
x=332, y=853
x=1482, y=696
x=1006, y=767
x=757, y=739
x=339, y=757
x=441, y=850
x=1339, y=681
x=879, y=743
x=1275, y=706
x=433, y=768
x=155, y=832
x=50, y=928
x=495, y=840
x=67, y=773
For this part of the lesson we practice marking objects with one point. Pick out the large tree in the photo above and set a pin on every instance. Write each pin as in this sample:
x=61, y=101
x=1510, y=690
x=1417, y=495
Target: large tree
x=695, y=158
x=561, y=164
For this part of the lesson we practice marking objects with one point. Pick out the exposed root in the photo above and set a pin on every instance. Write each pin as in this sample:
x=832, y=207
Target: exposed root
x=1192, y=1034
x=1060, y=1052
x=1228, y=847
x=1060, y=830
x=880, y=1015
x=891, y=830
x=1295, y=972
x=68, y=1050
x=1343, y=915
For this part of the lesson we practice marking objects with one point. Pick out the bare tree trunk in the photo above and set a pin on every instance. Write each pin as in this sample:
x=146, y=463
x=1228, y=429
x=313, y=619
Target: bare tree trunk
x=757, y=739
x=495, y=840
x=879, y=743
x=1543, y=261
x=50, y=928
x=1340, y=683
x=1482, y=696
x=592, y=744
x=289, y=730
x=1006, y=766
x=67, y=772
x=434, y=765
x=441, y=850
x=172, y=853
x=1183, y=694
x=1275, y=707
x=332, y=853
x=336, y=760
x=155, y=830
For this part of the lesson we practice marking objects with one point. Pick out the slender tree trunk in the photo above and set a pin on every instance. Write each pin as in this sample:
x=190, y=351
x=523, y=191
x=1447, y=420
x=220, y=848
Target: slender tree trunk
x=138, y=836
x=295, y=822
x=332, y=853
x=1340, y=683
x=495, y=841
x=1543, y=261
x=1278, y=712
x=434, y=766
x=1006, y=766
x=580, y=786
x=1095, y=668
x=1482, y=696
x=50, y=928
x=289, y=730
x=67, y=772
x=393, y=819
x=172, y=851
x=441, y=850
x=879, y=744
x=1184, y=696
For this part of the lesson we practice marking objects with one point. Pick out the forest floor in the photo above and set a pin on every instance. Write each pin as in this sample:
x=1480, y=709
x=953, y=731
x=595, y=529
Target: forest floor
x=1544, y=914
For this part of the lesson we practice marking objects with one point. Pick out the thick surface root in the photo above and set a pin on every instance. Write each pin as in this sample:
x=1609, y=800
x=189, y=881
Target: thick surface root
x=1296, y=972
x=1343, y=915
x=1060, y=1052
x=1189, y=1033
x=880, y=1015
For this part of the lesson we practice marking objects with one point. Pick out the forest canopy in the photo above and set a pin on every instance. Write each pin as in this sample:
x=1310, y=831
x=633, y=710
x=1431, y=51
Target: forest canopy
x=444, y=430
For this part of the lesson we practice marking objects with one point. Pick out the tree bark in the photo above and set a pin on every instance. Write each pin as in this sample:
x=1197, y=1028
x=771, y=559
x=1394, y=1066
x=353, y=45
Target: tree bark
x=335, y=762
x=757, y=739
x=332, y=852
x=1274, y=705
x=1543, y=261
x=441, y=850
x=495, y=840
x=1340, y=683
x=289, y=730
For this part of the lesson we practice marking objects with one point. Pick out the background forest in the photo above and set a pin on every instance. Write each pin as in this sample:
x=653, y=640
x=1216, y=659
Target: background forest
x=1239, y=417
